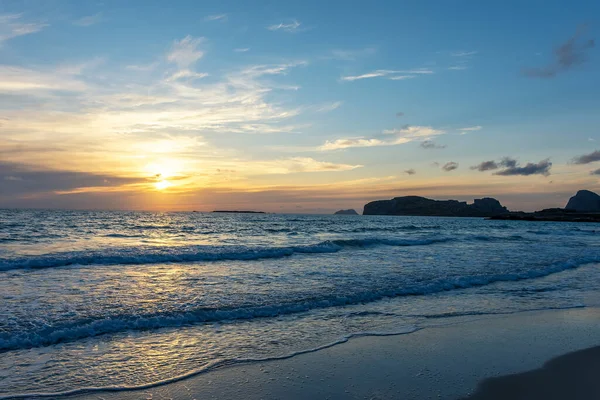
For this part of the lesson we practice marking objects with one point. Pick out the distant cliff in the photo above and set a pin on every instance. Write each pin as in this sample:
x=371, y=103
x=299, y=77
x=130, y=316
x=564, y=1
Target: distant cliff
x=584, y=201
x=421, y=206
x=583, y=207
x=350, y=211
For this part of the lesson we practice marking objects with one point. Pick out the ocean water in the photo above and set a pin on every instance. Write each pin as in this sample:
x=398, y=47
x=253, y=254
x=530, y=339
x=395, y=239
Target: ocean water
x=128, y=299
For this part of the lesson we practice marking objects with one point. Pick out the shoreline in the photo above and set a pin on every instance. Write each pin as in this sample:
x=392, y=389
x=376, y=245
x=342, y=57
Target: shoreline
x=448, y=361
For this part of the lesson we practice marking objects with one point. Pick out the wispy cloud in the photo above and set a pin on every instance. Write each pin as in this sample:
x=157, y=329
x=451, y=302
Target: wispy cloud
x=450, y=166
x=389, y=74
x=290, y=27
x=186, y=74
x=216, y=17
x=587, y=158
x=512, y=167
x=567, y=56
x=17, y=79
x=329, y=107
x=350, y=55
x=185, y=52
x=389, y=137
x=460, y=60
x=485, y=166
x=463, y=53
x=242, y=49
x=410, y=171
x=142, y=67
x=430, y=144
x=540, y=168
x=302, y=164
x=88, y=20
x=12, y=26
x=464, y=131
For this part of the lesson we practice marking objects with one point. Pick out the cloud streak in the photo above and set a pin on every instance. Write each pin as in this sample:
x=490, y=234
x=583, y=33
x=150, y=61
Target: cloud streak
x=186, y=52
x=513, y=168
x=430, y=144
x=12, y=26
x=216, y=17
x=89, y=20
x=450, y=166
x=389, y=74
x=289, y=27
x=568, y=55
x=486, y=166
x=587, y=158
x=389, y=137
x=464, y=131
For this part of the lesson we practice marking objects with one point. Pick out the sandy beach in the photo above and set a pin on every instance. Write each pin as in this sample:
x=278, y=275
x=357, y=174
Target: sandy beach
x=476, y=357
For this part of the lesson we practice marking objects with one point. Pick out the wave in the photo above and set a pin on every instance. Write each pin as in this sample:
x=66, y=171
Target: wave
x=487, y=238
x=395, y=228
x=157, y=255
x=119, y=323
x=218, y=364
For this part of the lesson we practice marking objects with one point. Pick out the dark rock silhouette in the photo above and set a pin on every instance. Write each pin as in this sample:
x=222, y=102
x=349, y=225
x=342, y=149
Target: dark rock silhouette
x=421, y=206
x=583, y=207
x=584, y=201
x=350, y=211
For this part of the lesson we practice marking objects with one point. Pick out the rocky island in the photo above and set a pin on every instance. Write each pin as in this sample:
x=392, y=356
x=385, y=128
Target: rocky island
x=350, y=211
x=583, y=207
x=422, y=206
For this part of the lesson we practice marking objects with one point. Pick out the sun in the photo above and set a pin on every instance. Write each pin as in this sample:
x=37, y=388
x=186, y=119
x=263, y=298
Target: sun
x=162, y=185
x=163, y=173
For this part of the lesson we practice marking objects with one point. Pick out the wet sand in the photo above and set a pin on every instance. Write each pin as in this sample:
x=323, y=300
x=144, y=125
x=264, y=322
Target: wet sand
x=572, y=376
x=451, y=361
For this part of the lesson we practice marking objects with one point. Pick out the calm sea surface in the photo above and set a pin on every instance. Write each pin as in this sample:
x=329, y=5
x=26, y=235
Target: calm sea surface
x=123, y=299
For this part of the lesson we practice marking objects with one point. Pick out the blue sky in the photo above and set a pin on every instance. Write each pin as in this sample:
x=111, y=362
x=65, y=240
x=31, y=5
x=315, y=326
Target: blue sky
x=295, y=106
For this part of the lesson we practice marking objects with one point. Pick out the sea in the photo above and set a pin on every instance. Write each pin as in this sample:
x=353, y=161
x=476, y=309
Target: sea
x=97, y=299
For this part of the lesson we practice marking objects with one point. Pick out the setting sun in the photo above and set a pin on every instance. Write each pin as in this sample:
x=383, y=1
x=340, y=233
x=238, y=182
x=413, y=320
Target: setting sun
x=162, y=185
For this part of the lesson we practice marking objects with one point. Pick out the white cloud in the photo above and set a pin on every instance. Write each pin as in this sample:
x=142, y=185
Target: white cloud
x=329, y=107
x=350, y=55
x=351, y=142
x=390, y=137
x=257, y=71
x=17, y=79
x=464, y=131
x=402, y=77
x=11, y=27
x=216, y=17
x=301, y=164
x=414, y=131
x=291, y=27
x=185, y=52
x=142, y=67
x=463, y=53
x=242, y=49
x=458, y=67
x=186, y=74
x=390, y=74
x=89, y=20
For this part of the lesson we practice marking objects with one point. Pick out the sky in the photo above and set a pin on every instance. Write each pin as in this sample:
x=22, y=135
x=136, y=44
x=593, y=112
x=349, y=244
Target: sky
x=296, y=106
